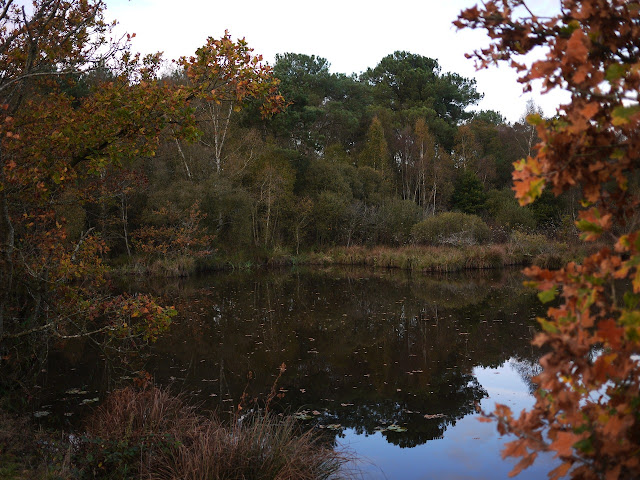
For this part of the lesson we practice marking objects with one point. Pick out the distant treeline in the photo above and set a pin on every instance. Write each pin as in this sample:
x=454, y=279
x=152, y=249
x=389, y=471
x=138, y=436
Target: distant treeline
x=352, y=160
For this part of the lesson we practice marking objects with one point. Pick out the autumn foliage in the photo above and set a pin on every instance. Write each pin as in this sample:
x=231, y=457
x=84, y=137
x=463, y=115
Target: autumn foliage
x=587, y=406
x=77, y=109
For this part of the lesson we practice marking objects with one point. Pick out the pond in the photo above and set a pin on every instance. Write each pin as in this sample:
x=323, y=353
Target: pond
x=393, y=367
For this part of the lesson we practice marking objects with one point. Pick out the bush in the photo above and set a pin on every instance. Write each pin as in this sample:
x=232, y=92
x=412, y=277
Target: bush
x=451, y=228
x=394, y=220
x=504, y=208
x=537, y=249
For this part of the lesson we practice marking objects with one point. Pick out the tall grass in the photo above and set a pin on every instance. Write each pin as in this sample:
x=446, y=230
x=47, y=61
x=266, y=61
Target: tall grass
x=521, y=249
x=259, y=447
x=153, y=434
x=417, y=258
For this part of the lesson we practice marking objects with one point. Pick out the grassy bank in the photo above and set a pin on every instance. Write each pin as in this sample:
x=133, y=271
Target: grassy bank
x=150, y=433
x=439, y=259
x=521, y=249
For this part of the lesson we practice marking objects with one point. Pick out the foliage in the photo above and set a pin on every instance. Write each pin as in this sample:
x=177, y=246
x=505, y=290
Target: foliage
x=586, y=408
x=504, y=208
x=173, y=233
x=224, y=76
x=325, y=109
x=55, y=141
x=394, y=221
x=451, y=228
x=414, y=85
x=375, y=153
x=468, y=193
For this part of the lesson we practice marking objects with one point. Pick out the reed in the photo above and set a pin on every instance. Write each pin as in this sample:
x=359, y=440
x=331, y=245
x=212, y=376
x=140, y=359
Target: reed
x=522, y=250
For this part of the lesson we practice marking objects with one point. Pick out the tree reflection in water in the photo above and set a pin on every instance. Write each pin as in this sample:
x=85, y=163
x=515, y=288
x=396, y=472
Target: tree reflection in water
x=364, y=349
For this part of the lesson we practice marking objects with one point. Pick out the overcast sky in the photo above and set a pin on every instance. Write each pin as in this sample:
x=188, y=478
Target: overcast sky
x=351, y=34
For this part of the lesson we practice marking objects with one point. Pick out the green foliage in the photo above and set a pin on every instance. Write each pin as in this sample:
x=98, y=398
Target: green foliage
x=489, y=116
x=328, y=213
x=507, y=213
x=325, y=108
x=375, y=153
x=394, y=220
x=229, y=208
x=468, y=194
x=326, y=176
x=406, y=82
x=451, y=228
x=547, y=208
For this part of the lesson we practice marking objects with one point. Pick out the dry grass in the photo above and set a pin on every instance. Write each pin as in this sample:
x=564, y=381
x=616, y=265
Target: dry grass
x=153, y=434
x=260, y=447
x=523, y=250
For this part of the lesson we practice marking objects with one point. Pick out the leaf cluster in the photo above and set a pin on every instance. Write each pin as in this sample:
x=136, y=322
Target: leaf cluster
x=586, y=407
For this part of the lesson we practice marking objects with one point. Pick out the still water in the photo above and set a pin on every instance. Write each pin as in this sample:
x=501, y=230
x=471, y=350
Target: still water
x=393, y=367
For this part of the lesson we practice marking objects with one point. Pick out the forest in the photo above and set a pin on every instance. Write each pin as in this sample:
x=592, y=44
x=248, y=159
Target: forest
x=114, y=163
x=346, y=160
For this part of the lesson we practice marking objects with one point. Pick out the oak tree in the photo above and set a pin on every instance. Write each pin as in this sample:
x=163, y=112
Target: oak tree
x=64, y=125
x=587, y=406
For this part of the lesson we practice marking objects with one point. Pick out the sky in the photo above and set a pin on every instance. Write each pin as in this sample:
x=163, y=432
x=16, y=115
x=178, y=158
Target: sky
x=352, y=35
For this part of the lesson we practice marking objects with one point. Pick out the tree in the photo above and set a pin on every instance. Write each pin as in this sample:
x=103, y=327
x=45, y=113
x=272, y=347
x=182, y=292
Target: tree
x=224, y=76
x=412, y=85
x=588, y=395
x=325, y=108
x=52, y=142
x=375, y=153
x=74, y=110
x=468, y=194
x=526, y=134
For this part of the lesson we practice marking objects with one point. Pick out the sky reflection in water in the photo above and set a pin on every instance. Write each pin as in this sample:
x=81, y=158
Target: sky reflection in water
x=366, y=350
x=468, y=450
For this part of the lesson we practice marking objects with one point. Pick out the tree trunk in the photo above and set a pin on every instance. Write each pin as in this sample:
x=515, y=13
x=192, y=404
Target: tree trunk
x=125, y=221
x=8, y=245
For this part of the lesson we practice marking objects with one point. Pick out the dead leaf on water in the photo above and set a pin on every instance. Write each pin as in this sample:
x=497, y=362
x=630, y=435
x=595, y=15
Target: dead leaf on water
x=436, y=415
x=396, y=428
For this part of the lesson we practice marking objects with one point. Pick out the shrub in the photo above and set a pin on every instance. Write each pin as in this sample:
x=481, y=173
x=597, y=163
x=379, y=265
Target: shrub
x=127, y=432
x=259, y=447
x=451, y=228
x=504, y=208
x=537, y=249
x=394, y=220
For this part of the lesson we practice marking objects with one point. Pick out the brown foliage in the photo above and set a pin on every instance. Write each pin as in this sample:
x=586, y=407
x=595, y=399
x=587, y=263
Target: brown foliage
x=588, y=400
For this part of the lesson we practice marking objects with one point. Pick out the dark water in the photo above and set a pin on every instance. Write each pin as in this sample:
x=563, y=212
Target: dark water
x=394, y=367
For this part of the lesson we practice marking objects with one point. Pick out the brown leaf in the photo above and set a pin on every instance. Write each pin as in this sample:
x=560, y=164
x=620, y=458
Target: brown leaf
x=590, y=110
x=560, y=471
x=577, y=50
x=564, y=442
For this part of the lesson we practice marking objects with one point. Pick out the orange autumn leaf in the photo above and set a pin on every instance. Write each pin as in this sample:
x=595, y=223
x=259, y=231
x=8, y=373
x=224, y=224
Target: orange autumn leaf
x=577, y=50
x=563, y=443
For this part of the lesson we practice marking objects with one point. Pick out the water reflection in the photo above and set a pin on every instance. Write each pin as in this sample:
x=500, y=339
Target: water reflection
x=370, y=351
